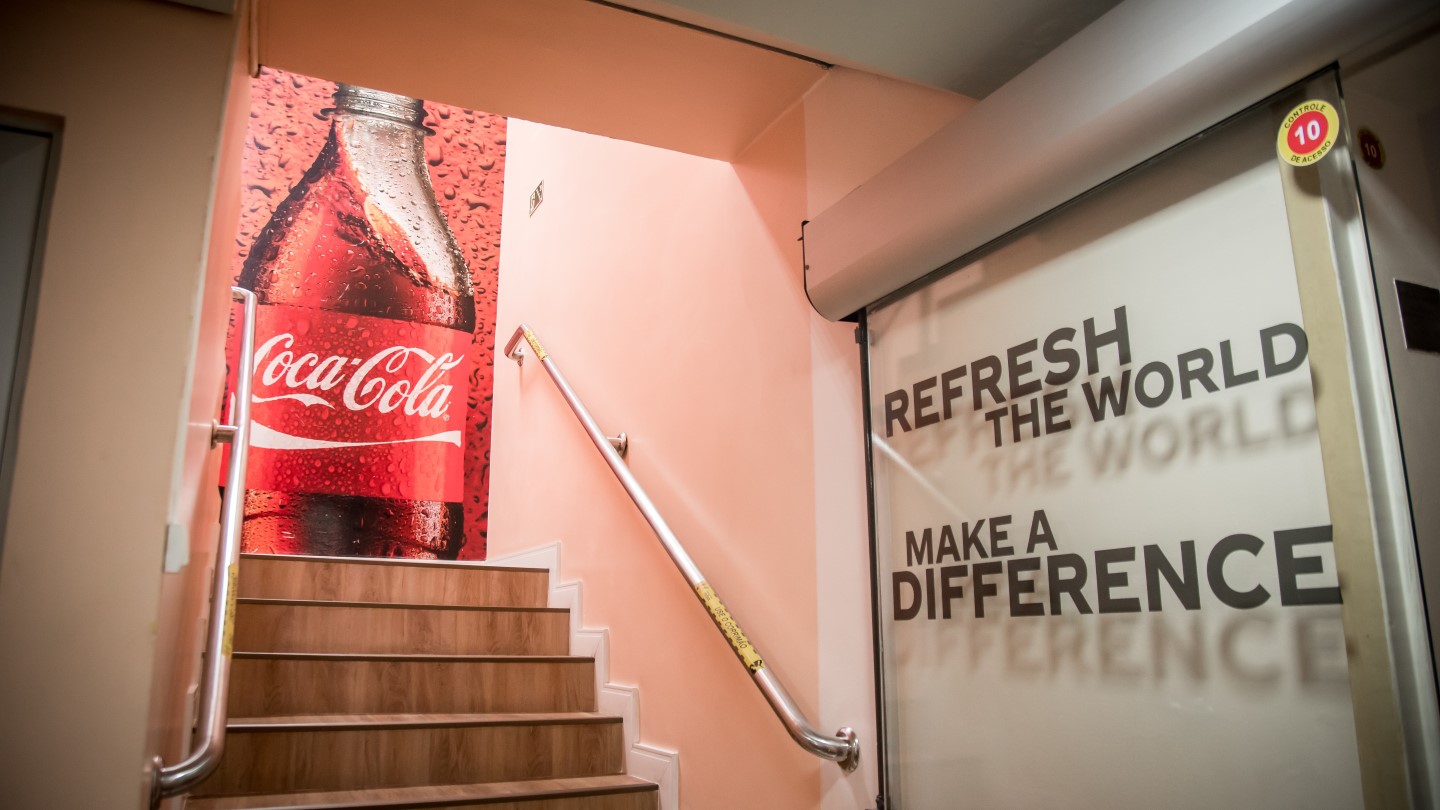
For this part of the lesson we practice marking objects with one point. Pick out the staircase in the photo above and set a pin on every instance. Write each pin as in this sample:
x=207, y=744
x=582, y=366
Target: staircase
x=407, y=684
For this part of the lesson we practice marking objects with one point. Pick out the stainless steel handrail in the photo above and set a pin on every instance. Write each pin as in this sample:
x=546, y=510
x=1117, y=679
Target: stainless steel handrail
x=172, y=780
x=844, y=747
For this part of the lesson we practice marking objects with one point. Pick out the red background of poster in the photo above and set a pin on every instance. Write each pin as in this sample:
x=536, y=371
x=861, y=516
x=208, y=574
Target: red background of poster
x=466, y=156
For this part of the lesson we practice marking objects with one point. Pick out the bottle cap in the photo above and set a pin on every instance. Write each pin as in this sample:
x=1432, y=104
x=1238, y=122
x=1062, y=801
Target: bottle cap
x=380, y=104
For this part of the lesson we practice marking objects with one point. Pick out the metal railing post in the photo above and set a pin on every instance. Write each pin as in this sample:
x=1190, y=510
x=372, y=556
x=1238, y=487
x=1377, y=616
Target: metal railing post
x=172, y=780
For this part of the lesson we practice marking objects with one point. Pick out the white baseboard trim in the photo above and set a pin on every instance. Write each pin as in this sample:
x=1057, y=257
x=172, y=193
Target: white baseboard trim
x=648, y=762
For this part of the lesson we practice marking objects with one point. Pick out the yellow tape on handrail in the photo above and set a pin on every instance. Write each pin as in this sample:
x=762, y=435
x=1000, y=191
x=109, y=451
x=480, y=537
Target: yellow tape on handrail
x=228, y=645
x=749, y=656
x=540, y=353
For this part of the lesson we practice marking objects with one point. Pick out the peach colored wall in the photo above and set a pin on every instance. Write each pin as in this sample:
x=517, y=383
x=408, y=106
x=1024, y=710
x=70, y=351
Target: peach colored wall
x=104, y=419
x=858, y=123
x=855, y=124
x=668, y=288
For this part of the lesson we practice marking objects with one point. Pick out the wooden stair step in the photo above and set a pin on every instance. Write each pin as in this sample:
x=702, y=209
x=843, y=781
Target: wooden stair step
x=365, y=579
x=292, y=683
x=296, y=625
x=392, y=720
x=610, y=792
x=367, y=751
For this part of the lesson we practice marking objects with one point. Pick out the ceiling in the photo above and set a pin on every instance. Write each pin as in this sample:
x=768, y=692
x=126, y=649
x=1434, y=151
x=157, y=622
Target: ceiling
x=969, y=47
x=580, y=65
x=598, y=66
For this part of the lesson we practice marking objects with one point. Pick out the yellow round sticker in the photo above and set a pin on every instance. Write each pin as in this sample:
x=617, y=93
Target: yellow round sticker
x=1308, y=132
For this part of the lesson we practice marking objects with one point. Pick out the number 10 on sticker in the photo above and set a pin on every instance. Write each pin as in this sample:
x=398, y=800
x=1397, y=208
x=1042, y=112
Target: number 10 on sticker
x=1308, y=132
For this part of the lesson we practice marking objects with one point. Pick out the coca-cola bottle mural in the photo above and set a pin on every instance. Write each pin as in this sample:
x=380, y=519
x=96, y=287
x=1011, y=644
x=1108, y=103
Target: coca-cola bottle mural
x=364, y=336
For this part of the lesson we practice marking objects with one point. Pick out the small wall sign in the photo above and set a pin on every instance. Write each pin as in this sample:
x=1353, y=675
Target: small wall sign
x=1371, y=150
x=1308, y=132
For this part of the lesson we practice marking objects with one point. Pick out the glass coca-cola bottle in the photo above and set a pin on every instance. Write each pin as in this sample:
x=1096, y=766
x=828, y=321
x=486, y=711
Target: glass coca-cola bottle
x=364, y=319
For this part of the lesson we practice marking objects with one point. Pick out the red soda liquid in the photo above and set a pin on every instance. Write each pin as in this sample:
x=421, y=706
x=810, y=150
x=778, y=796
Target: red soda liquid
x=357, y=241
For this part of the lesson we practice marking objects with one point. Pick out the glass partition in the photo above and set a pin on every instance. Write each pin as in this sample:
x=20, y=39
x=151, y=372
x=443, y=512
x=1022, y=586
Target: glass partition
x=1106, y=559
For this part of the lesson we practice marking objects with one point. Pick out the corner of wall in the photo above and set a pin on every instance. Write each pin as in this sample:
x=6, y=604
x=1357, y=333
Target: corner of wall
x=857, y=123
x=649, y=762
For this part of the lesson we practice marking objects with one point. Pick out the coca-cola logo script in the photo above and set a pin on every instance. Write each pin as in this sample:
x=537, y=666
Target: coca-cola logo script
x=380, y=381
x=357, y=405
